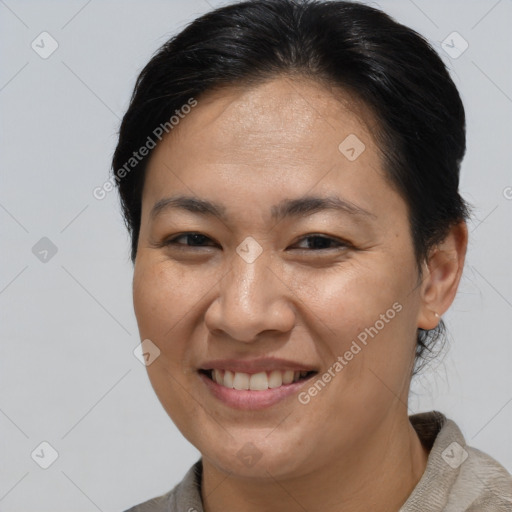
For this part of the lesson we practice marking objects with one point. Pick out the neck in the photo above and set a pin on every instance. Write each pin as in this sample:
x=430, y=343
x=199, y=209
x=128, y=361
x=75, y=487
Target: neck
x=379, y=476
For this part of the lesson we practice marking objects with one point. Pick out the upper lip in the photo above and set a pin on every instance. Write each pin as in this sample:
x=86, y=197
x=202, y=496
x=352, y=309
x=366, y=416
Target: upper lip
x=255, y=365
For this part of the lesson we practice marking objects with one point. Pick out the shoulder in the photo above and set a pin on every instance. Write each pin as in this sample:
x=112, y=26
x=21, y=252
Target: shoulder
x=483, y=484
x=458, y=477
x=158, y=504
x=184, y=497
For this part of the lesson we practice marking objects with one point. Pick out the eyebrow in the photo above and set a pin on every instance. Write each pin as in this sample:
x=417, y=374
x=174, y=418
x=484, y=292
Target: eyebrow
x=287, y=208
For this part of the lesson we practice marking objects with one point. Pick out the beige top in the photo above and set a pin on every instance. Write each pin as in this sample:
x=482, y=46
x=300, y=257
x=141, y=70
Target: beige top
x=458, y=478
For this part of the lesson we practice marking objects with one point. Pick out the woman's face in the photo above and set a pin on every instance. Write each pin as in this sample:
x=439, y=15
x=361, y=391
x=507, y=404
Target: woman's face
x=306, y=265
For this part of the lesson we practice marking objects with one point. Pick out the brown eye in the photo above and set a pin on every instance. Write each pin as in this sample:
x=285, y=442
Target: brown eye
x=319, y=242
x=192, y=240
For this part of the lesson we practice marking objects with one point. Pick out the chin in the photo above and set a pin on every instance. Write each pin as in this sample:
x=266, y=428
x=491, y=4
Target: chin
x=264, y=459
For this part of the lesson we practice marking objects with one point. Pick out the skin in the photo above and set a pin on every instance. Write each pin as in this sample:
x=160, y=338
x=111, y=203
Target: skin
x=352, y=446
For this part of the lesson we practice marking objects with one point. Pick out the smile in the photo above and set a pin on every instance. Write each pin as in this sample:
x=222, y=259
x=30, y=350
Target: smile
x=260, y=381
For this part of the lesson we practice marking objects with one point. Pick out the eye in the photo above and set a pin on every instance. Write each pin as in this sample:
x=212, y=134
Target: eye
x=320, y=242
x=313, y=242
x=194, y=239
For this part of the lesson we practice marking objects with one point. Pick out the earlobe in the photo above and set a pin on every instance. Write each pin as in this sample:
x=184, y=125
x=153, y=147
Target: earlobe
x=441, y=276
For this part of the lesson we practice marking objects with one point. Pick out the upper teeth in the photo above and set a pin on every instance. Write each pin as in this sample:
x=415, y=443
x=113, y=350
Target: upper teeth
x=256, y=381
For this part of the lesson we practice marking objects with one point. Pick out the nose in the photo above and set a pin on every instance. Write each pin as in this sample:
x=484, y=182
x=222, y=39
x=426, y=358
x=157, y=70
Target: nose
x=252, y=299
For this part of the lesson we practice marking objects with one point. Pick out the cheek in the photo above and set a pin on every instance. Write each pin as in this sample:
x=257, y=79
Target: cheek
x=366, y=314
x=351, y=297
x=163, y=298
x=163, y=294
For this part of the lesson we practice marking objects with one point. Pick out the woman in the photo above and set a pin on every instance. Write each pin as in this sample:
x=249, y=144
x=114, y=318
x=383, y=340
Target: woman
x=289, y=176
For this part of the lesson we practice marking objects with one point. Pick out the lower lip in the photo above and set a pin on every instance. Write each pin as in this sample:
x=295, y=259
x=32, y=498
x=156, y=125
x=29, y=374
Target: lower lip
x=251, y=400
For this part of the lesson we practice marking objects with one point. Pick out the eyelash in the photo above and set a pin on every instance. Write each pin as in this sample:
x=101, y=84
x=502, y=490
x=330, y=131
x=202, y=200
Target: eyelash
x=339, y=243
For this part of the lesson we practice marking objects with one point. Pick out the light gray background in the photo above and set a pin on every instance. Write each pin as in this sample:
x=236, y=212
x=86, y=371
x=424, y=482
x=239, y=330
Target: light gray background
x=68, y=374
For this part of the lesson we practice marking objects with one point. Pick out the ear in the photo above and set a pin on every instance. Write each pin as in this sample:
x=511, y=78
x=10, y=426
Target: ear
x=441, y=276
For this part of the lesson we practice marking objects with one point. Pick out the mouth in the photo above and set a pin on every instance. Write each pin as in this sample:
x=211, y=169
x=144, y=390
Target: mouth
x=260, y=381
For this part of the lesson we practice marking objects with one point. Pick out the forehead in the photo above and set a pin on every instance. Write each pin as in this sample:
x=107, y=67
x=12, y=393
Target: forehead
x=278, y=139
x=280, y=119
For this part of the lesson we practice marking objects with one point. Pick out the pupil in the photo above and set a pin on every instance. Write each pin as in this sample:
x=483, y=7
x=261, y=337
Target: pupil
x=319, y=242
x=196, y=239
